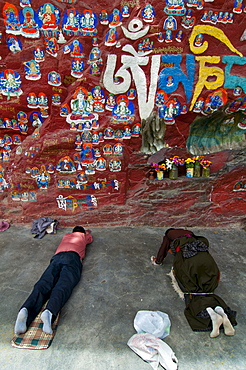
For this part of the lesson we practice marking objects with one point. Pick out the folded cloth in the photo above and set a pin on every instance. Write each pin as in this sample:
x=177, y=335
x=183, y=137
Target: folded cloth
x=40, y=226
x=191, y=249
x=190, y=245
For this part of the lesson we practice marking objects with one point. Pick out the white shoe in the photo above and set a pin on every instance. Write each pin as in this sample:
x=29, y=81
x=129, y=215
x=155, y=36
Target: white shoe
x=153, y=259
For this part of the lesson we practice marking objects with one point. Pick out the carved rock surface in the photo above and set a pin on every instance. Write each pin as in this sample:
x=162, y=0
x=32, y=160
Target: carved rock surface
x=49, y=163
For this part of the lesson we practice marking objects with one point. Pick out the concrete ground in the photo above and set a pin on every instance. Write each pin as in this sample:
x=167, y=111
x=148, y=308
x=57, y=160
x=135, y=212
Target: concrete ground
x=118, y=280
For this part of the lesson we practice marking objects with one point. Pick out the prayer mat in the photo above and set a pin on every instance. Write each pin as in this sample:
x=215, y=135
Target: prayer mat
x=34, y=337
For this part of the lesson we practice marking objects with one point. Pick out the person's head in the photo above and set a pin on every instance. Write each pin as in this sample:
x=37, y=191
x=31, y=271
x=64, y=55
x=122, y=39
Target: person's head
x=78, y=229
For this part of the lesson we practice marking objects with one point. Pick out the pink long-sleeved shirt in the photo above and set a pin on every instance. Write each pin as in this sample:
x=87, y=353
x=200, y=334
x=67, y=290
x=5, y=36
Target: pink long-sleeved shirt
x=75, y=242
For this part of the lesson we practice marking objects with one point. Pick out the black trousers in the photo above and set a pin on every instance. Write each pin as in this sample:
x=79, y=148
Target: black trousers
x=55, y=285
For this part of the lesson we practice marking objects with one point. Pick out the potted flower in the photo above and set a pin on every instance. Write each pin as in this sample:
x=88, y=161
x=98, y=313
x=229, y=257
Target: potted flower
x=190, y=163
x=152, y=173
x=205, y=163
x=172, y=165
x=197, y=165
x=159, y=170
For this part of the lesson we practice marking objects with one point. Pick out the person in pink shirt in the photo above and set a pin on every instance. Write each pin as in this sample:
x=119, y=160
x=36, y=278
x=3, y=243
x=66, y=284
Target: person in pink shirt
x=57, y=282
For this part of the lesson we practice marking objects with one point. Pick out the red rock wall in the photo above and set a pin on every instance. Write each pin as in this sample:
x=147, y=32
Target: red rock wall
x=90, y=165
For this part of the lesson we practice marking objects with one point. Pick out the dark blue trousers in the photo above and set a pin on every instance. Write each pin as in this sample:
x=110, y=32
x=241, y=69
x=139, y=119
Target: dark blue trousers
x=55, y=285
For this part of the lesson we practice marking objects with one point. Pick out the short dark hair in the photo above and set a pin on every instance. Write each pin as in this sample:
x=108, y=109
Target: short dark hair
x=78, y=229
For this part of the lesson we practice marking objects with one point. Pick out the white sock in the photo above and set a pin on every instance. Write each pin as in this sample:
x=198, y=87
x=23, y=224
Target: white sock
x=228, y=328
x=46, y=317
x=20, y=324
x=216, y=322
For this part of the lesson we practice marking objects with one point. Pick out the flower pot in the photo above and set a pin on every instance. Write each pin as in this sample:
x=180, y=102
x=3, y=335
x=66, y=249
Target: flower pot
x=152, y=174
x=189, y=172
x=197, y=169
x=160, y=175
x=206, y=172
x=173, y=173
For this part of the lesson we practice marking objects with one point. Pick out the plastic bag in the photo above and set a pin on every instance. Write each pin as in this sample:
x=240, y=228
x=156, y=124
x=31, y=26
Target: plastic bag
x=153, y=350
x=153, y=322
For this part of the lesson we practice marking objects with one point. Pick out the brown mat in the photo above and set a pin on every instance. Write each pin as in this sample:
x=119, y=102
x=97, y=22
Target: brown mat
x=34, y=337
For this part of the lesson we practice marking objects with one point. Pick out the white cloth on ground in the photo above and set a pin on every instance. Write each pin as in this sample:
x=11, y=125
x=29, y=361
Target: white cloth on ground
x=153, y=350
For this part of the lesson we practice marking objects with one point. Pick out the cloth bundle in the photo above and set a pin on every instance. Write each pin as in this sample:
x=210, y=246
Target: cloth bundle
x=4, y=225
x=42, y=226
x=153, y=350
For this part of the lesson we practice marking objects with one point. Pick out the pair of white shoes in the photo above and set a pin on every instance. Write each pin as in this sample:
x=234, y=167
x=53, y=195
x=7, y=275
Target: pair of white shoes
x=219, y=317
